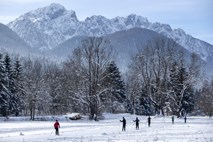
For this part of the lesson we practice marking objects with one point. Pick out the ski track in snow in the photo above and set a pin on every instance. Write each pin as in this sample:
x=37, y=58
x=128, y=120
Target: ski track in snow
x=197, y=129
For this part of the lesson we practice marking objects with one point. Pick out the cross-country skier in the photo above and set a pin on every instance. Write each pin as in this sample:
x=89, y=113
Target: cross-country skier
x=136, y=123
x=56, y=126
x=185, y=119
x=173, y=119
x=149, y=121
x=124, y=124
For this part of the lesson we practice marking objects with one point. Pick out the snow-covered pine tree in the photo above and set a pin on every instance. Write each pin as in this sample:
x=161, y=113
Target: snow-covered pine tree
x=18, y=86
x=13, y=101
x=189, y=99
x=4, y=92
x=116, y=88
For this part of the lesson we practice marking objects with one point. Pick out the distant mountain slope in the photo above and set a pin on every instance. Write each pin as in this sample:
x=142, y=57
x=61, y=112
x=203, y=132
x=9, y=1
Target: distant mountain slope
x=11, y=42
x=125, y=44
x=63, y=50
x=47, y=27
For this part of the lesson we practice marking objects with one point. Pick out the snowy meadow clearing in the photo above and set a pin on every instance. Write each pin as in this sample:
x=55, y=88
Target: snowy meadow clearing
x=197, y=129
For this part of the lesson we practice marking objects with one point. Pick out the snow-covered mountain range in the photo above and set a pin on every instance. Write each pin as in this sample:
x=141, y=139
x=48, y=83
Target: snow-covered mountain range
x=47, y=27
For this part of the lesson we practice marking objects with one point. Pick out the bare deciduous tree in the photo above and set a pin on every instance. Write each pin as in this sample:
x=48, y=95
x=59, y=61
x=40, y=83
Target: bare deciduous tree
x=89, y=62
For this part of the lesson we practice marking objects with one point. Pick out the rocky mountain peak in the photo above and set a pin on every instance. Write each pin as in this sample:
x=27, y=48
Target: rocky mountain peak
x=136, y=21
x=52, y=11
x=48, y=13
x=46, y=27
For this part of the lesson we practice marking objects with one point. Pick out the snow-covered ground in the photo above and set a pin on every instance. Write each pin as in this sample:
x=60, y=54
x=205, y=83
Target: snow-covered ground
x=197, y=129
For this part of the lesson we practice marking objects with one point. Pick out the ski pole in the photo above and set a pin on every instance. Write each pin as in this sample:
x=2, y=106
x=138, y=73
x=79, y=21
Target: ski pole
x=52, y=131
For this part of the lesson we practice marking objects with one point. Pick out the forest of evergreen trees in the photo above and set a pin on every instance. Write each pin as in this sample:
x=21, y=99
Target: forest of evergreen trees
x=160, y=80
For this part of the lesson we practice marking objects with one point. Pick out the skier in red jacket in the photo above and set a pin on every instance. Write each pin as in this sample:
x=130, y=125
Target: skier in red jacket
x=56, y=126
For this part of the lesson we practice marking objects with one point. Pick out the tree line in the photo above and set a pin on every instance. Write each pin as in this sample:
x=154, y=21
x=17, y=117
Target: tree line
x=10, y=88
x=161, y=79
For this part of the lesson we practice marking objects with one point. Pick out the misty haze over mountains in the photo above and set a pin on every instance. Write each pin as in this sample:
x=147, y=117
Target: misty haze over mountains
x=57, y=31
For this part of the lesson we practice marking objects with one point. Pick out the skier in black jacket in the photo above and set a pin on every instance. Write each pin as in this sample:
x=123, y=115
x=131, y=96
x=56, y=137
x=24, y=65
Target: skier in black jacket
x=185, y=119
x=124, y=124
x=149, y=121
x=137, y=123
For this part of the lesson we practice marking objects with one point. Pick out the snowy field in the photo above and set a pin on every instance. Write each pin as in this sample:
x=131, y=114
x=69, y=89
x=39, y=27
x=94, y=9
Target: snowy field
x=197, y=129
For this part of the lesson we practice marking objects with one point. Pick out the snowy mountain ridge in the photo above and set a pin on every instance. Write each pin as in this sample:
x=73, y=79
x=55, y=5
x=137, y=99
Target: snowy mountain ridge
x=47, y=27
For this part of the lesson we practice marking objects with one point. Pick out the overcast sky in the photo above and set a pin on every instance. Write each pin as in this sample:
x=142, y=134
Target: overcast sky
x=195, y=17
